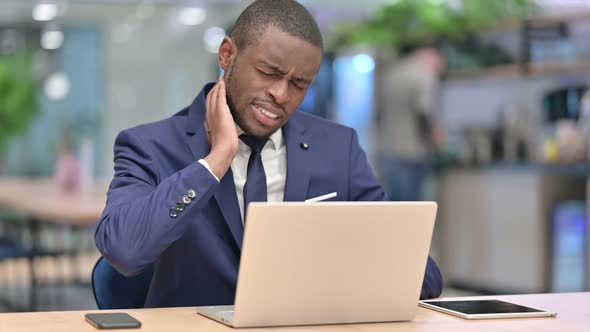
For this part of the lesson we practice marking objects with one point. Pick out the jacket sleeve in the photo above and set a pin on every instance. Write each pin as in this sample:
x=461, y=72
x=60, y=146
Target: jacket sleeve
x=433, y=281
x=365, y=187
x=140, y=219
x=363, y=184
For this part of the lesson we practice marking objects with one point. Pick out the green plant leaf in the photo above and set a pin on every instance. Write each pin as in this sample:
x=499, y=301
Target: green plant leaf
x=18, y=96
x=411, y=22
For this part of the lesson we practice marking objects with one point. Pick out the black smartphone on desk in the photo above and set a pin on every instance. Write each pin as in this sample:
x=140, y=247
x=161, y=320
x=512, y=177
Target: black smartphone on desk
x=115, y=320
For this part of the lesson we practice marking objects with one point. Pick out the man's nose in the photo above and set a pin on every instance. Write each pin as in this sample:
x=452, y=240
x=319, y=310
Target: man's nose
x=279, y=91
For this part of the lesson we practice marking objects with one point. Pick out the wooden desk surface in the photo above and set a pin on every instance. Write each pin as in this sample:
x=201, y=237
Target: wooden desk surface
x=573, y=315
x=42, y=199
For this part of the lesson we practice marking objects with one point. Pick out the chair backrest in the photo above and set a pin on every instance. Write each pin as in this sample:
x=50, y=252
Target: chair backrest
x=112, y=290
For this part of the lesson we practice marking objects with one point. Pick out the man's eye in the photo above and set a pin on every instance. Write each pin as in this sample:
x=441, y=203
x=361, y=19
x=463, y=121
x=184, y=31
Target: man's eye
x=297, y=86
x=265, y=73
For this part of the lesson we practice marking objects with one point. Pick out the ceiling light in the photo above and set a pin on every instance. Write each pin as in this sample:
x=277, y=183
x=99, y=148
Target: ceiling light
x=51, y=40
x=192, y=16
x=57, y=86
x=45, y=11
x=363, y=63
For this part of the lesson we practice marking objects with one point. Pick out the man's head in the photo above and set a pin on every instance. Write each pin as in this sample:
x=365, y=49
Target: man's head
x=430, y=54
x=270, y=59
x=433, y=59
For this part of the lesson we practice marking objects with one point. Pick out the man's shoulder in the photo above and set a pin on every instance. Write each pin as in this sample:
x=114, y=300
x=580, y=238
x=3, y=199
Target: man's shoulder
x=318, y=124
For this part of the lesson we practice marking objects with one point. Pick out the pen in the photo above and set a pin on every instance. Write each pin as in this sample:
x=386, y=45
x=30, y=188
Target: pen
x=321, y=198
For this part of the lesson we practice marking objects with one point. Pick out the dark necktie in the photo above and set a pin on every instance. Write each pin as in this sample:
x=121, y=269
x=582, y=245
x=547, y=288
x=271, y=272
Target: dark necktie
x=255, y=187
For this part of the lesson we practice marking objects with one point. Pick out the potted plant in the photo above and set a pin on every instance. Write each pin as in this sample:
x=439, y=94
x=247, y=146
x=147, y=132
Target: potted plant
x=403, y=24
x=18, y=97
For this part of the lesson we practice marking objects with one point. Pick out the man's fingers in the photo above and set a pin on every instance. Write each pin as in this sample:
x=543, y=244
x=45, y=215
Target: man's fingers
x=207, y=131
x=216, y=108
x=208, y=100
x=213, y=102
x=221, y=100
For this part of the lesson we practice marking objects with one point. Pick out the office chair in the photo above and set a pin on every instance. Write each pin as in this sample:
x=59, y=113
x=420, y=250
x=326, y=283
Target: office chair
x=13, y=247
x=112, y=290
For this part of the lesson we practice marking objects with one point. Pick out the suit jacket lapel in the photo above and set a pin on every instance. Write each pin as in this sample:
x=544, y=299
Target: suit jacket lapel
x=225, y=195
x=227, y=200
x=298, y=158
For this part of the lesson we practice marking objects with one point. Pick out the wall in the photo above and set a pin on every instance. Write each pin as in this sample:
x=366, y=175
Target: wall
x=157, y=72
x=151, y=74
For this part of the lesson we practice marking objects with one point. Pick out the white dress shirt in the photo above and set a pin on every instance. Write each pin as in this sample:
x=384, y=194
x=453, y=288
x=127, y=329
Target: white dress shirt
x=274, y=160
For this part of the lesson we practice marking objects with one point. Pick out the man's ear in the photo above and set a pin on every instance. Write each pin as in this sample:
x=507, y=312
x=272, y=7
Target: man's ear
x=227, y=53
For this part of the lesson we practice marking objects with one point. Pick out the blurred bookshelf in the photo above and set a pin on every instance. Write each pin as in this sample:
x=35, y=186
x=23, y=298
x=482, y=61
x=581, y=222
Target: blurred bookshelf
x=515, y=71
x=515, y=48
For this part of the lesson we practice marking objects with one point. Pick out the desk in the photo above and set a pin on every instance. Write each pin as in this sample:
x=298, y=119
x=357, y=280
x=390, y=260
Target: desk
x=573, y=315
x=41, y=199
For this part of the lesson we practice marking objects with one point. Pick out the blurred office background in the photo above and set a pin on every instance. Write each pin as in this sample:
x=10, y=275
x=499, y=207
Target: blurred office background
x=499, y=91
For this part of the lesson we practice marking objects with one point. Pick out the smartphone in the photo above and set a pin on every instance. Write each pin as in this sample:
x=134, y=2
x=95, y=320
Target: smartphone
x=116, y=320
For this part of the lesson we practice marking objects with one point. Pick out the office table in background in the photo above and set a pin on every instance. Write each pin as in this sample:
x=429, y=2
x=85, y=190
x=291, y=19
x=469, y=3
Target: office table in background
x=573, y=315
x=41, y=199
x=37, y=204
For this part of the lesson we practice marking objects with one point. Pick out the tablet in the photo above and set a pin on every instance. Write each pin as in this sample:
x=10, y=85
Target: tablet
x=484, y=309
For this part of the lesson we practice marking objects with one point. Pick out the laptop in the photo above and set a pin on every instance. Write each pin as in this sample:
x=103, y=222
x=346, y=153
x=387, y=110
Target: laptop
x=330, y=263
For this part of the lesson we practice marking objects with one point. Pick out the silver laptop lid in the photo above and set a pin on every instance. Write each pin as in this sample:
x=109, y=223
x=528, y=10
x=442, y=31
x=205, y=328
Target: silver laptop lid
x=336, y=262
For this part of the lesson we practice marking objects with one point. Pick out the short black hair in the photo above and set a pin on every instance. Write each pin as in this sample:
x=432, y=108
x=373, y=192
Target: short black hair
x=288, y=16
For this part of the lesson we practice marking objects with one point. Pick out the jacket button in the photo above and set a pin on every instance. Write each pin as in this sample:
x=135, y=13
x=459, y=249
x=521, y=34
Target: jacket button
x=173, y=213
x=192, y=194
x=186, y=199
x=180, y=206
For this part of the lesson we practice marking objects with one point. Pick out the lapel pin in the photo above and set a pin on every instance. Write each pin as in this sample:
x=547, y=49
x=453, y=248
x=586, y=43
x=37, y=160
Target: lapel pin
x=304, y=146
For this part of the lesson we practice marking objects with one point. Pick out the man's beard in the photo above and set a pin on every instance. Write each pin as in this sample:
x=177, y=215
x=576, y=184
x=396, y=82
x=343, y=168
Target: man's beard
x=238, y=118
x=229, y=86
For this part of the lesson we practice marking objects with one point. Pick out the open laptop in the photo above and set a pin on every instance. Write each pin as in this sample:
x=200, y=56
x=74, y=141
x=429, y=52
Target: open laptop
x=330, y=263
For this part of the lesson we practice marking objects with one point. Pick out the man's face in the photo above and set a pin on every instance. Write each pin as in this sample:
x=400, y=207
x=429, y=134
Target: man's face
x=267, y=81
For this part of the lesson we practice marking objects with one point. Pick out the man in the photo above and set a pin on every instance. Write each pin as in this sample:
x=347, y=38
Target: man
x=408, y=130
x=181, y=185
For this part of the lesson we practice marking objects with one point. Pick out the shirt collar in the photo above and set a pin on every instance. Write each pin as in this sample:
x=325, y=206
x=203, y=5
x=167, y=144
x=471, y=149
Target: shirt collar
x=276, y=138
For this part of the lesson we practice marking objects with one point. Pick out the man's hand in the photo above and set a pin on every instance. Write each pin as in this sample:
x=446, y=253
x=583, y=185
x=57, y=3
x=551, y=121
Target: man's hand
x=221, y=131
